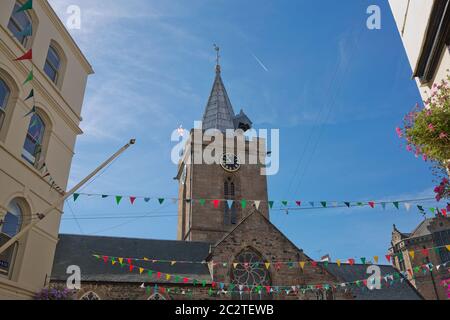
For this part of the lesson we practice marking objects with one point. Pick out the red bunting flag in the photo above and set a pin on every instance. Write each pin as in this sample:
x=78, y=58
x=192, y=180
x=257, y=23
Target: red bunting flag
x=351, y=261
x=314, y=263
x=185, y=280
x=105, y=259
x=425, y=252
x=444, y=212
x=132, y=200
x=131, y=268
x=213, y=284
x=365, y=282
x=372, y=204
x=216, y=203
x=388, y=258
x=158, y=275
x=26, y=56
x=268, y=289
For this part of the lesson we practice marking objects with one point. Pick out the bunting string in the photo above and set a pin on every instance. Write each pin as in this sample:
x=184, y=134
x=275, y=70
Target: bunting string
x=290, y=264
x=180, y=279
x=285, y=205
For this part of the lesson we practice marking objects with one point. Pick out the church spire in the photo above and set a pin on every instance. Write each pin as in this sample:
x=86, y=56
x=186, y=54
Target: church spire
x=219, y=112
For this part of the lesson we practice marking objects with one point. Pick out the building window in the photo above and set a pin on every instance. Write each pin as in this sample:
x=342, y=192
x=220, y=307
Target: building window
x=249, y=274
x=52, y=64
x=19, y=23
x=32, y=149
x=230, y=214
x=4, y=96
x=441, y=239
x=10, y=225
x=90, y=296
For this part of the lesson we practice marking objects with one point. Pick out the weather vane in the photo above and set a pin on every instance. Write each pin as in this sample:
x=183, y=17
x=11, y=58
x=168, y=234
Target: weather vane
x=217, y=57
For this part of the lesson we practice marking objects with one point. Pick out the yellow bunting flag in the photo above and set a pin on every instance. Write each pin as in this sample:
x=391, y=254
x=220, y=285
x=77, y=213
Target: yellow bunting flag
x=448, y=247
x=146, y=259
x=267, y=265
x=411, y=254
x=375, y=258
x=141, y=270
x=338, y=262
x=121, y=260
x=113, y=262
x=173, y=263
x=302, y=264
x=168, y=277
x=235, y=265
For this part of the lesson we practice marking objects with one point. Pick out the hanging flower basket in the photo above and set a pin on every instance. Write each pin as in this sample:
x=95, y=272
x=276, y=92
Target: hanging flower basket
x=55, y=294
x=427, y=130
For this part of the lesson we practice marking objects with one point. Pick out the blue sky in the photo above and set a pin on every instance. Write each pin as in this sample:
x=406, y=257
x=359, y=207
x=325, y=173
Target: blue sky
x=335, y=89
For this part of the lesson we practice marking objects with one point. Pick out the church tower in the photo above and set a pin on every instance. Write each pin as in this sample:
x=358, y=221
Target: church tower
x=213, y=194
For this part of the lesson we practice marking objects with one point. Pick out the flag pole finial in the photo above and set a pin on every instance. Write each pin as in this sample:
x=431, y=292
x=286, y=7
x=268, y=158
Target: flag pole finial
x=217, y=58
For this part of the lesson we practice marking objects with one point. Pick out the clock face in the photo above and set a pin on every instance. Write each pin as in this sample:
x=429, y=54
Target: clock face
x=230, y=162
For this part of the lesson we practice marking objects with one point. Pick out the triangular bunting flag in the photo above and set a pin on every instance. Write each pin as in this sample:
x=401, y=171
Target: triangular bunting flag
x=141, y=270
x=118, y=199
x=230, y=203
x=302, y=264
x=372, y=204
x=298, y=203
x=216, y=203
x=363, y=260
x=267, y=264
x=257, y=204
x=31, y=95
x=411, y=254
x=244, y=203
x=376, y=258
x=338, y=262
x=270, y=204
x=407, y=206
x=26, y=6
x=32, y=111
x=26, y=56
x=147, y=199
x=448, y=247
x=396, y=204
x=75, y=196
x=312, y=204
x=324, y=204
x=202, y=202
x=161, y=200
x=388, y=258
x=347, y=204
x=104, y=196
x=29, y=78
x=284, y=203
x=235, y=265
x=132, y=200
x=383, y=205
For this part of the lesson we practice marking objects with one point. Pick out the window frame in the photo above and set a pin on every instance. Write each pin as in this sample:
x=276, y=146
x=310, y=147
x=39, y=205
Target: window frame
x=5, y=102
x=26, y=40
x=38, y=156
x=48, y=62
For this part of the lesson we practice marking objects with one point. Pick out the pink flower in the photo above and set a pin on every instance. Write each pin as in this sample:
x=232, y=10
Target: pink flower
x=399, y=132
x=409, y=148
x=425, y=157
x=431, y=127
x=443, y=135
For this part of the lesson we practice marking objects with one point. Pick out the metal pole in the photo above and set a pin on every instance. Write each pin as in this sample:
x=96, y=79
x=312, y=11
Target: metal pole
x=61, y=200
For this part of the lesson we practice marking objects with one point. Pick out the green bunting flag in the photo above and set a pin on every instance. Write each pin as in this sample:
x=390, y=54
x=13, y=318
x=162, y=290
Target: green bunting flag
x=432, y=210
x=202, y=202
x=383, y=204
x=271, y=204
x=161, y=200
x=26, y=6
x=31, y=95
x=396, y=204
x=347, y=204
x=284, y=203
x=104, y=196
x=312, y=204
x=363, y=260
x=75, y=196
x=324, y=204
x=244, y=204
x=118, y=199
x=29, y=78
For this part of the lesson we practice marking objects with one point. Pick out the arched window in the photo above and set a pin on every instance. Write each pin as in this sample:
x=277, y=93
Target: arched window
x=156, y=296
x=10, y=225
x=91, y=295
x=52, y=65
x=4, y=96
x=20, y=24
x=230, y=214
x=249, y=274
x=32, y=148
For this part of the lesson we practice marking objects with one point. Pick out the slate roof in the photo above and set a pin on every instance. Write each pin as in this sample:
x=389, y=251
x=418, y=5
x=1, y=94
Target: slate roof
x=78, y=250
x=219, y=112
x=422, y=229
x=351, y=273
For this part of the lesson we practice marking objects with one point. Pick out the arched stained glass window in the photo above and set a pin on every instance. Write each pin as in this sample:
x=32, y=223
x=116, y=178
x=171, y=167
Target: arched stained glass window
x=250, y=275
x=91, y=295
